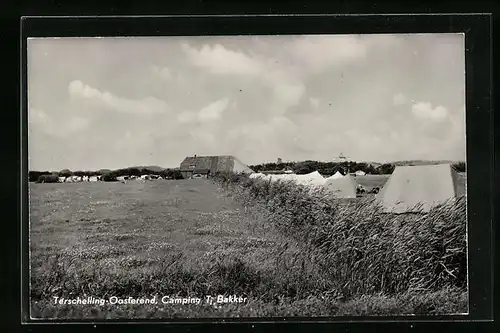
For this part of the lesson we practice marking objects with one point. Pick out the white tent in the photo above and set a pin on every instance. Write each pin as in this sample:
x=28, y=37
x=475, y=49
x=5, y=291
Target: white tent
x=337, y=175
x=281, y=177
x=418, y=188
x=310, y=179
x=256, y=175
x=344, y=187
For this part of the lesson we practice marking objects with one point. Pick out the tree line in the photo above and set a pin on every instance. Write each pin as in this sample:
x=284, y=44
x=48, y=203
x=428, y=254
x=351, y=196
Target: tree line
x=304, y=167
x=330, y=168
x=111, y=175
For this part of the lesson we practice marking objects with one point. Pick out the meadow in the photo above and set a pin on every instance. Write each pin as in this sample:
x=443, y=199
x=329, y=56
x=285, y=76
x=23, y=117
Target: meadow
x=193, y=238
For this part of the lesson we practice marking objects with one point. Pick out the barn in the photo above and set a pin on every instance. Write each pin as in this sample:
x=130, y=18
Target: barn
x=209, y=165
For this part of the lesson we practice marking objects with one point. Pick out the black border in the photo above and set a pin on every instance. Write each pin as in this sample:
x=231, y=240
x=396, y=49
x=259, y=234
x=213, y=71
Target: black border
x=479, y=118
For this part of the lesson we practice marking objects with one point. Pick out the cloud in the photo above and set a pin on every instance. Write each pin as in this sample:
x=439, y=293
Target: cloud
x=424, y=110
x=146, y=106
x=214, y=110
x=219, y=60
x=399, y=99
x=287, y=89
x=319, y=52
x=286, y=94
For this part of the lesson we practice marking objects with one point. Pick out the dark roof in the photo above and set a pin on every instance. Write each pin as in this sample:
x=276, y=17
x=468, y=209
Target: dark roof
x=213, y=163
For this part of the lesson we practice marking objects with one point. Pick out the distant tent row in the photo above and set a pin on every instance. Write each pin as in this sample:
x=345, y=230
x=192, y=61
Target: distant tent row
x=409, y=188
x=341, y=186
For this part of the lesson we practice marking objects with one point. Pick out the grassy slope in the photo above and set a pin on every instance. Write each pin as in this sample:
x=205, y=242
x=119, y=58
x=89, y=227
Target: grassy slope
x=177, y=237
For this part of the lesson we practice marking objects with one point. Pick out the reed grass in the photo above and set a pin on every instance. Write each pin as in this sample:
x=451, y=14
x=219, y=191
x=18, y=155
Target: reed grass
x=358, y=247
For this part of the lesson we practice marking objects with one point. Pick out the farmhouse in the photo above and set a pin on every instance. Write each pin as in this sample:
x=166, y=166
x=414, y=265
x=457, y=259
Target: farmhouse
x=209, y=165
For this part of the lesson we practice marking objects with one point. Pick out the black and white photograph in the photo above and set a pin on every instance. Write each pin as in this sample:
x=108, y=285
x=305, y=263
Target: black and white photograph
x=247, y=176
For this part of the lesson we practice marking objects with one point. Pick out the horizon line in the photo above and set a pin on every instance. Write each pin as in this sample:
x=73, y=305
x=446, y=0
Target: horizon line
x=255, y=164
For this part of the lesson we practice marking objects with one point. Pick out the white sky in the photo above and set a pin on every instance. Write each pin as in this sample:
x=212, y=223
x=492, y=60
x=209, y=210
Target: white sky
x=117, y=102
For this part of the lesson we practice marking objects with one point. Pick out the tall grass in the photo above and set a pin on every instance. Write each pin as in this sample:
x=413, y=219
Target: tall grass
x=357, y=247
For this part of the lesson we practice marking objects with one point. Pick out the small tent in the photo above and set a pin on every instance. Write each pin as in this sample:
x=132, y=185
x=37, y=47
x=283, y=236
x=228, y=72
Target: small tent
x=337, y=175
x=418, y=188
x=256, y=175
x=344, y=187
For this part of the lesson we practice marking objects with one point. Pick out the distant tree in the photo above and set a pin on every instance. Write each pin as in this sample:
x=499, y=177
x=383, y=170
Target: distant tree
x=109, y=177
x=65, y=173
x=51, y=178
x=386, y=169
x=34, y=175
x=146, y=171
x=370, y=169
x=176, y=174
x=79, y=173
x=360, y=167
x=134, y=172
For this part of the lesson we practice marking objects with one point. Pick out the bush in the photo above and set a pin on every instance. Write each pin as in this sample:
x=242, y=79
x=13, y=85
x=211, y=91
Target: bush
x=65, y=173
x=359, y=248
x=52, y=178
x=109, y=177
x=33, y=176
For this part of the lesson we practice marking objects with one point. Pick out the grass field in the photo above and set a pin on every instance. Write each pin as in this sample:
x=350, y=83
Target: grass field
x=186, y=239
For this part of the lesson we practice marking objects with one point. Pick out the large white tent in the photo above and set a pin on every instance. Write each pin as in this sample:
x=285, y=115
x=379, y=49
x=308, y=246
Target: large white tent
x=418, y=188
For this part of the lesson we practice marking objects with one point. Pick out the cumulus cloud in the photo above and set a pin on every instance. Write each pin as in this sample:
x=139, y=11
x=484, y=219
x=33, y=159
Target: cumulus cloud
x=146, y=106
x=319, y=52
x=425, y=110
x=214, y=110
x=286, y=95
x=399, y=99
x=210, y=112
x=220, y=60
x=287, y=89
